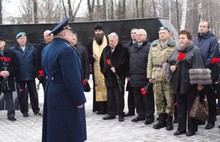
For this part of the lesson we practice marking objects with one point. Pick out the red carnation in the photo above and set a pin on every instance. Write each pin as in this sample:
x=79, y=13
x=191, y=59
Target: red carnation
x=181, y=56
x=84, y=82
x=108, y=61
x=41, y=73
x=20, y=90
x=144, y=92
x=215, y=60
x=7, y=59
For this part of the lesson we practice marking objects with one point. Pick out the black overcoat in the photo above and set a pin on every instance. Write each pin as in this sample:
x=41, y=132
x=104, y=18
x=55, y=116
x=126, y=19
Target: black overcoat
x=119, y=59
x=193, y=60
x=11, y=67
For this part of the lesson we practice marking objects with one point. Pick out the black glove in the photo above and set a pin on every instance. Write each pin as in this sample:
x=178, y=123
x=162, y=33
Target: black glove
x=40, y=78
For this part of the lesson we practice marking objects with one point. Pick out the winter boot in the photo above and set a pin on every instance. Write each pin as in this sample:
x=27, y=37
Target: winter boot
x=169, y=123
x=161, y=122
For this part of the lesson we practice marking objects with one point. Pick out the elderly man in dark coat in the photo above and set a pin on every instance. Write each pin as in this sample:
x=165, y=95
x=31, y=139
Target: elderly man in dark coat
x=114, y=65
x=25, y=74
x=64, y=112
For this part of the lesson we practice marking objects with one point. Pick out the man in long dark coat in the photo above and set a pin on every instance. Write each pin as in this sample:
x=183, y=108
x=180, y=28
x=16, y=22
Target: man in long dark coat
x=64, y=112
x=114, y=65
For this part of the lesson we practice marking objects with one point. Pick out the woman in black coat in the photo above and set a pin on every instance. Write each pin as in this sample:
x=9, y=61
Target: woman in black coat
x=183, y=59
x=114, y=66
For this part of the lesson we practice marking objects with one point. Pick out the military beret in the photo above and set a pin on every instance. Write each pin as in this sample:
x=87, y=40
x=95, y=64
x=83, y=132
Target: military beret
x=64, y=24
x=164, y=28
x=20, y=35
x=2, y=38
x=99, y=26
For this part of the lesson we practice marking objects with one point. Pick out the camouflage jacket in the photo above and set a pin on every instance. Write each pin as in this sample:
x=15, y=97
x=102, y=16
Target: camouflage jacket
x=158, y=55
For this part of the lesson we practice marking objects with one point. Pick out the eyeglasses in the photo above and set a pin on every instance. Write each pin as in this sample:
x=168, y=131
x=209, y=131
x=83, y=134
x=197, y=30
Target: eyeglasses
x=133, y=32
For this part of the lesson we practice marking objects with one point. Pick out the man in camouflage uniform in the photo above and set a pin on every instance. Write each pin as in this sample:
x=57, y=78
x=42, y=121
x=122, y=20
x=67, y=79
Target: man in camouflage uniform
x=160, y=51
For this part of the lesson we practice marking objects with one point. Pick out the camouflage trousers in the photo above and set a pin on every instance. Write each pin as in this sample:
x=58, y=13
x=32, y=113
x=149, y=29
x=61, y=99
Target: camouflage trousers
x=163, y=97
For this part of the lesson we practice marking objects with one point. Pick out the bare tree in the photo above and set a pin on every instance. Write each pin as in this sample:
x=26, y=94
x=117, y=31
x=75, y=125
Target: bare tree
x=91, y=5
x=35, y=11
x=177, y=15
x=50, y=11
x=154, y=8
x=26, y=10
x=137, y=8
x=184, y=12
x=64, y=8
x=112, y=10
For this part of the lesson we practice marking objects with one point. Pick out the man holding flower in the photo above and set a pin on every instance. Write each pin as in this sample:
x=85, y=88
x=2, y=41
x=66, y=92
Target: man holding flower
x=114, y=66
x=7, y=73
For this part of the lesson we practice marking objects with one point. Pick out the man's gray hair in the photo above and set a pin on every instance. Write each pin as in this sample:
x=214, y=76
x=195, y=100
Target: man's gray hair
x=113, y=34
x=142, y=31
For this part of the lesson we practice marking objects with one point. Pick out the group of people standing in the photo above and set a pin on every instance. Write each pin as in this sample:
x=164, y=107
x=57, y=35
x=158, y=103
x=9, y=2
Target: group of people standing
x=157, y=73
x=163, y=69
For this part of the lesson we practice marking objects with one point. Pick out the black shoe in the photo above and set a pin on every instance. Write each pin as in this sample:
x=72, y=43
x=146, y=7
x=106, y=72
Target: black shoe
x=137, y=119
x=25, y=114
x=121, y=118
x=209, y=126
x=37, y=113
x=108, y=117
x=12, y=119
x=129, y=114
x=149, y=121
x=190, y=133
x=179, y=132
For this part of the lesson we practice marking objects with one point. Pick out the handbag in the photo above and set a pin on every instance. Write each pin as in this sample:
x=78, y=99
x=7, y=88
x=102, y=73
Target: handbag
x=199, y=109
x=86, y=87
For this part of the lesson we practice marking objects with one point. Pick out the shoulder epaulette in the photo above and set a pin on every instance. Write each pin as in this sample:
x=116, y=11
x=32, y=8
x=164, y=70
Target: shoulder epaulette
x=155, y=42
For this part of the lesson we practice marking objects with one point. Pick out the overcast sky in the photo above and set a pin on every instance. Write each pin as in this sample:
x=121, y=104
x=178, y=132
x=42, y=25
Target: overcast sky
x=11, y=8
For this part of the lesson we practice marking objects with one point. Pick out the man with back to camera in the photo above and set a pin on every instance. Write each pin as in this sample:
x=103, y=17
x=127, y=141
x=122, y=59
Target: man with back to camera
x=64, y=111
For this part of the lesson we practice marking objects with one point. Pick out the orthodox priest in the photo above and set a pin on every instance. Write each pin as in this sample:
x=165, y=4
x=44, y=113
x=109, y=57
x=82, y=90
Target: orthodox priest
x=95, y=48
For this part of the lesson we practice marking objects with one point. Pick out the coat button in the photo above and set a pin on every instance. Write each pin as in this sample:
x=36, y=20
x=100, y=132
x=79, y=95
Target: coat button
x=52, y=78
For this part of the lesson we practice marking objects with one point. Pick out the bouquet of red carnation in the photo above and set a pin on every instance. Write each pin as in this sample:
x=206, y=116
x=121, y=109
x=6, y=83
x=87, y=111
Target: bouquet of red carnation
x=144, y=91
x=5, y=63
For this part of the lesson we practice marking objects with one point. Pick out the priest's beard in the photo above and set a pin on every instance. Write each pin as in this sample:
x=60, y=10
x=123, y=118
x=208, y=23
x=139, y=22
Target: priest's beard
x=98, y=38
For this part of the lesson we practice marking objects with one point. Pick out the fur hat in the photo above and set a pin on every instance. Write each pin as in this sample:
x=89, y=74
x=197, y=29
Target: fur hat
x=99, y=26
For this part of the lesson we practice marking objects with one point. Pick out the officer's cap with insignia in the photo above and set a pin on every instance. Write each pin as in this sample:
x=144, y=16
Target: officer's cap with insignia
x=164, y=28
x=64, y=24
